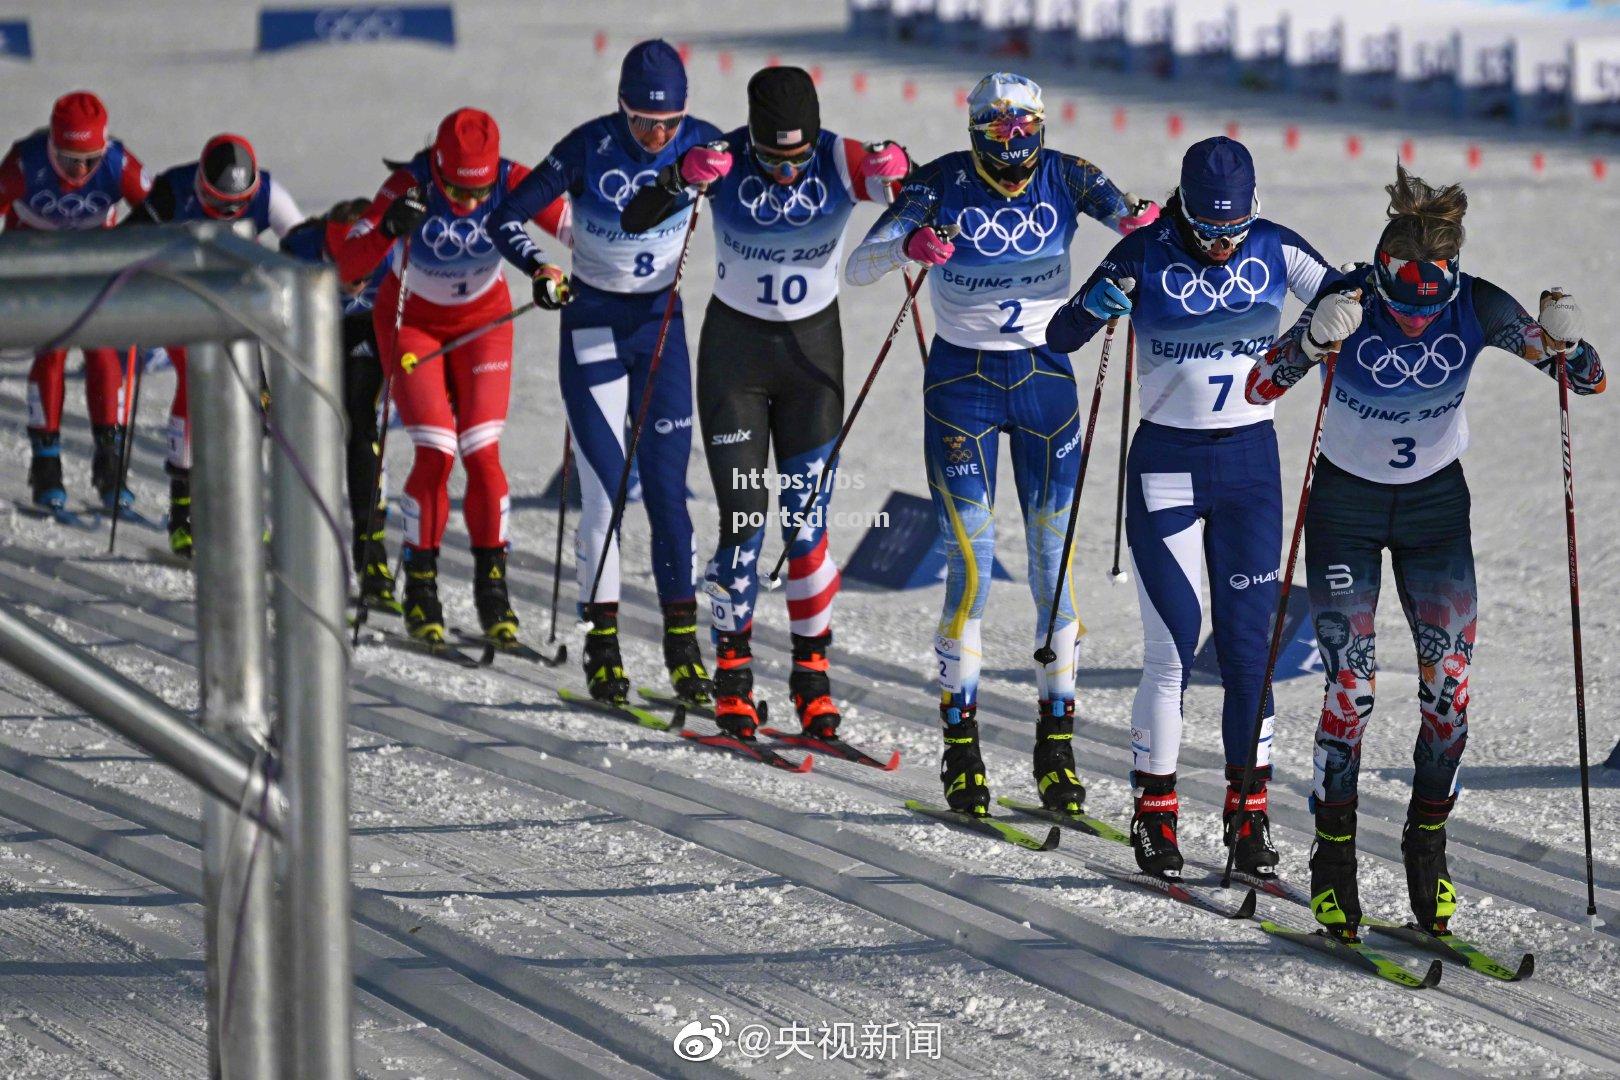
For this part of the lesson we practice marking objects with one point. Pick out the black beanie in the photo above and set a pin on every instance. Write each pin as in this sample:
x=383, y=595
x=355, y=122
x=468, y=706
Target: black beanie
x=782, y=107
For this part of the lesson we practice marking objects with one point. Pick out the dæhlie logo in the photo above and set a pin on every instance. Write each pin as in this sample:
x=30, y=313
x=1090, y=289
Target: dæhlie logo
x=698, y=1041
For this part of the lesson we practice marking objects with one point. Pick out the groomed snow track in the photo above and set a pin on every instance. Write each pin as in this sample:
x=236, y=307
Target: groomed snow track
x=1209, y=997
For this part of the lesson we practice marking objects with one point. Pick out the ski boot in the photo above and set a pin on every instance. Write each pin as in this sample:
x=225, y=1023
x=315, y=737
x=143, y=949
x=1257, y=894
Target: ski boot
x=682, y=656
x=105, y=464
x=495, y=614
x=376, y=577
x=734, y=709
x=961, y=768
x=1423, y=849
x=1335, y=901
x=179, y=510
x=1153, y=825
x=424, y=615
x=604, y=667
x=45, y=471
x=1250, y=827
x=811, y=689
x=1055, y=777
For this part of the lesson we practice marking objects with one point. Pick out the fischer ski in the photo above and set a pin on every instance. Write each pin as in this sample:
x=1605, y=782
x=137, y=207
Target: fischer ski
x=1449, y=944
x=492, y=646
x=1081, y=822
x=669, y=700
x=985, y=825
x=1357, y=955
x=621, y=710
x=438, y=650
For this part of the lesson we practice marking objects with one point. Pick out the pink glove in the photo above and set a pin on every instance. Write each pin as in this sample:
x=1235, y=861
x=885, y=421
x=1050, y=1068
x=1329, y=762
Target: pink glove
x=928, y=247
x=1143, y=212
x=704, y=165
x=884, y=161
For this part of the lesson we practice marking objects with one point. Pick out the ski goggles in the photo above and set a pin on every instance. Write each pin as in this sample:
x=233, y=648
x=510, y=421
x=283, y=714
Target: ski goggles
x=1005, y=127
x=780, y=166
x=1211, y=234
x=457, y=193
x=645, y=124
x=223, y=206
x=76, y=166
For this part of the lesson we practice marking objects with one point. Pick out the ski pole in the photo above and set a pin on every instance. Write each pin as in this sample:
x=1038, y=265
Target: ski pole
x=1281, y=617
x=1117, y=573
x=556, y=563
x=623, y=491
x=133, y=378
x=408, y=361
x=1045, y=654
x=916, y=319
x=361, y=611
x=774, y=580
x=1561, y=362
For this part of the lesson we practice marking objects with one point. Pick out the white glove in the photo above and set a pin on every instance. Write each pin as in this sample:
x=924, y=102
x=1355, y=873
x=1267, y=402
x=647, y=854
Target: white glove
x=1560, y=320
x=1337, y=316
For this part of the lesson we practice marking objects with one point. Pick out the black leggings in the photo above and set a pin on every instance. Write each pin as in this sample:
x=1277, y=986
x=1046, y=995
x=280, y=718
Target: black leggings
x=362, y=387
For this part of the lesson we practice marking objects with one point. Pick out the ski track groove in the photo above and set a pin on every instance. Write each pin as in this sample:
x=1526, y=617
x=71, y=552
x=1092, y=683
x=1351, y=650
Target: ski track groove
x=1503, y=999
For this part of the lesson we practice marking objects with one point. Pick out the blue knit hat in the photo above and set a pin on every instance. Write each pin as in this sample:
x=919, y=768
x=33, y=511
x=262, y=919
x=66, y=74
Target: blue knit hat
x=653, y=79
x=1217, y=180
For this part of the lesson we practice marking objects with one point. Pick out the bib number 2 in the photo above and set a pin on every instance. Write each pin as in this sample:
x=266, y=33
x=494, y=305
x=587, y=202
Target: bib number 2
x=1014, y=309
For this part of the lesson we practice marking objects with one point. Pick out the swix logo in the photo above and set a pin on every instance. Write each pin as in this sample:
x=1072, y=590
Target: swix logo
x=1339, y=578
x=732, y=438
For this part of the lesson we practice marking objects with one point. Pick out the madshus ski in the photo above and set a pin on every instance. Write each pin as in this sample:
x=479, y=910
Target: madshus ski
x=438, y=650
x=495, y=646
x=985, y=825
x=836, y=748
x=719, y=740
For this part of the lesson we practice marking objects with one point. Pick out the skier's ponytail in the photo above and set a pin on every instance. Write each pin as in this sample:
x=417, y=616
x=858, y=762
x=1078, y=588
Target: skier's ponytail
x=1425, y=222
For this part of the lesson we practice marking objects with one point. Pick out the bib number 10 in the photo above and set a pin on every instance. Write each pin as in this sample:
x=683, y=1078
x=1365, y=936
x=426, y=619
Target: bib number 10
x=794, y=289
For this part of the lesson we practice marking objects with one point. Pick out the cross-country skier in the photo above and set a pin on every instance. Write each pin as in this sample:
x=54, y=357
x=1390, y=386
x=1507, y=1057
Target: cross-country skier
x=436, y=208
x=1203, y=485
x=621, y=283
x=72, y=175
x=771, y=365
x=224, y=184
x=990, y=369
x=1412, y=324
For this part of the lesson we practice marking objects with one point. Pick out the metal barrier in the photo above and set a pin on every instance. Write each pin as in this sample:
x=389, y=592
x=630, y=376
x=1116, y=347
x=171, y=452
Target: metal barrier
x=279, y=982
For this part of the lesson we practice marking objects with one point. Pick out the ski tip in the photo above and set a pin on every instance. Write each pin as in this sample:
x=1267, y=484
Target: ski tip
x=1527, y=968
x=1053, y=835
x=1245, y=910
x=558, y=658
x=893, y=763
x=678, y=721
x=1431, y=978
x=804, y=764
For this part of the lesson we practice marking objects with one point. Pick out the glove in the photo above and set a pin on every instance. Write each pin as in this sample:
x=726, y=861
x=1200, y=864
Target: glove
x=1140, y=212
x=1107, y=300
x=885, y=161
x=703, y=165
x=551, y=289
x=404, y=214
x=1337, y=316
x=929, y=246
x=1560, y=321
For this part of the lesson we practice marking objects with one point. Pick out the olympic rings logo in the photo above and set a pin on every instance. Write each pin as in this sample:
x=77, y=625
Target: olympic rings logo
x=767, y=204
x=452, y=238
x=1428, y=364
x=359, y=24
x=1199, y=295
x=624, y=185
x=71, y=206
x=1008, y=228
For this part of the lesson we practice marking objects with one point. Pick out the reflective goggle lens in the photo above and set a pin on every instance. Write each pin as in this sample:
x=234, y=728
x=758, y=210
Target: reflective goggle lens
x=468, y=194
x=78, y=164
x=783, y=165
x=643, y=124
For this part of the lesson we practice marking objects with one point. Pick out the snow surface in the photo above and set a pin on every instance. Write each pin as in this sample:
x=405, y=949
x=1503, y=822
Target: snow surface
x=543, y=891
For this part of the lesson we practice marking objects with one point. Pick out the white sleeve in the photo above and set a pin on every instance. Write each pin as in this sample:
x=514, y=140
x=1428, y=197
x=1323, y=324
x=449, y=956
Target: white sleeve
x=1305, y=271
x=284, y=213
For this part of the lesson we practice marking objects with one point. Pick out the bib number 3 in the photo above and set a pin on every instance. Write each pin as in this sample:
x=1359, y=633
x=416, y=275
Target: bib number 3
x=1405, y=453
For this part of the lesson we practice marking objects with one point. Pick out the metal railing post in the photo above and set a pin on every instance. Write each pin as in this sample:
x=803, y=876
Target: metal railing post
x=312, y=677
x=238, y=860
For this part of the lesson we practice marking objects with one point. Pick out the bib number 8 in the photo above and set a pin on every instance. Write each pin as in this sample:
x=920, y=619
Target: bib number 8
x=644, y=264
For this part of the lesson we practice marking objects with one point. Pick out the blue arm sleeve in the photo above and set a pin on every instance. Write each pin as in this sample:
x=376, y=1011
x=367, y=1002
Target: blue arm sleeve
x=560, y=172
x=882, y=251
x=1094, y=195
x=306, y=241
x=1072, y=325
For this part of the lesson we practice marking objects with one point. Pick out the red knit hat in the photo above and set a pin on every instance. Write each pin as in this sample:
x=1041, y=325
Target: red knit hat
x=467, y=149
x=79, y=123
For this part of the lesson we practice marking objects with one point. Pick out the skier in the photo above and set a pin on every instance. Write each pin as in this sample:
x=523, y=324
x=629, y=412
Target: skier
x=437, y=208
x=72, y=175
x=771, y=365
x=1203, y=485
x=224, y=184
x=990, y=369
x=620, y=281
x=1412, y=324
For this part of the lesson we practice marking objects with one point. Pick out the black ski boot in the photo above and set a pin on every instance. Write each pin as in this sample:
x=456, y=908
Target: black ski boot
x=1250, y=827
x=811, y=688
x=1335, y=901
x=1055, y=777
x=1423, y=849
x=376, y=577
x=734, y=709
x=604, y=667
x=682, y=655
x=424, y=615
x=1153, y=825
x=104, y=467
x=45, y=471
x=179, y=510
x=495, y=614
x=961, y=768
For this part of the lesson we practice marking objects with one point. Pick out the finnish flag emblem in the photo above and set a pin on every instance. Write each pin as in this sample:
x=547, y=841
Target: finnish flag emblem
x=1223, y=204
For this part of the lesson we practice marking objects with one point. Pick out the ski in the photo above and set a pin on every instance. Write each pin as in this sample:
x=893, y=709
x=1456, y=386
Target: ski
x=1449, y=944
x=492, y=646
x=834, y=747
x=1194, y=895
x=985, y=825
x=749, y=749
x=59, y=514
x=1082, y=822
x=438, y=650
x=1272, y=885
x=127, y=514
x=670, y=700
x=619, y=710
x=160, y=553
x=1357, y=955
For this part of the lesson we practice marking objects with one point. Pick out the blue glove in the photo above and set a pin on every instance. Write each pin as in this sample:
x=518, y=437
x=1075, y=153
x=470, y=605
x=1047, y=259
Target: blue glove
x=1106, y=300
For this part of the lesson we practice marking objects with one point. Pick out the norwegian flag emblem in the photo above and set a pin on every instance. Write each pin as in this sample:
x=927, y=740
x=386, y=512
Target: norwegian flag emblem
x=1428, y=288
